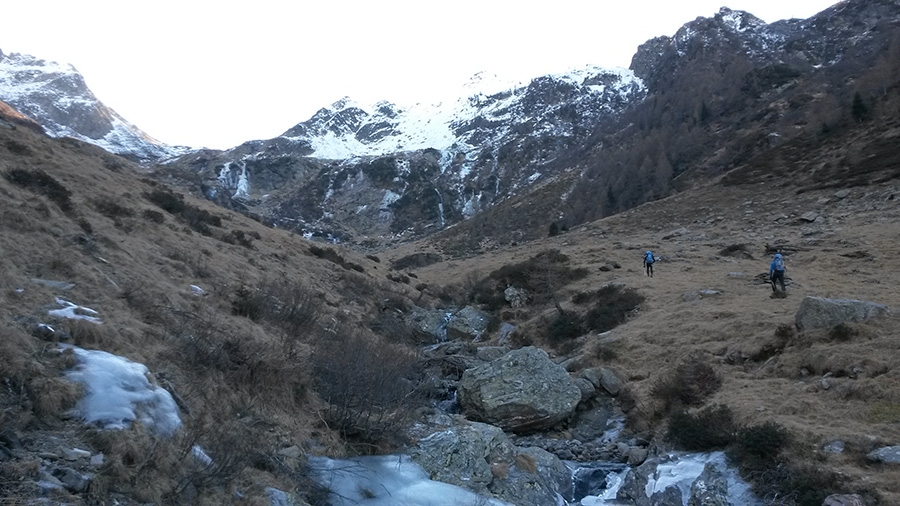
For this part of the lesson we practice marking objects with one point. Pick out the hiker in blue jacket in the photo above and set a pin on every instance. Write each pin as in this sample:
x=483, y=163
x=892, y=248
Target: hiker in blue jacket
x=776, y=271
x=648, y=262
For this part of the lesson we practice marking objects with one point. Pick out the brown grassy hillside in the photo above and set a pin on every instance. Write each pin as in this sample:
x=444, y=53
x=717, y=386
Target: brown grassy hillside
x=821, y=386
x=283, y=354
x=243, y=359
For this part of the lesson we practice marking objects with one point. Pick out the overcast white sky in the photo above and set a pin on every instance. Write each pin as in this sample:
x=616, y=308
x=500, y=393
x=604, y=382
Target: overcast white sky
x=218, y=73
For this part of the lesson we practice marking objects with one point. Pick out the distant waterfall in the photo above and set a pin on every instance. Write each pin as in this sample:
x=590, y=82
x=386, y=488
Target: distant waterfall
x=440, y=206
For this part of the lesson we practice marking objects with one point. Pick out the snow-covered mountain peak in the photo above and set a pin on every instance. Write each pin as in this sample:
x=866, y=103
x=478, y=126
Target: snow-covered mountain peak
x=56, y=96
x=348, y=128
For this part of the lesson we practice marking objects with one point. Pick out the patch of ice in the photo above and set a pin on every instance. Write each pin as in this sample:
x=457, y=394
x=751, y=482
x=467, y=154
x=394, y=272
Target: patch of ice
x=118, y=393
x=387, y=480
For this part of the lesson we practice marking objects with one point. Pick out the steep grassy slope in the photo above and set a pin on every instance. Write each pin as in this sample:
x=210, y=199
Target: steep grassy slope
x=243, y=357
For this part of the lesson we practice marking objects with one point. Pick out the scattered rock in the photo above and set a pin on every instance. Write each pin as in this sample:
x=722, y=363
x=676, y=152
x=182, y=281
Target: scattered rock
x=636, y=455
x=506, y=330
x=292, y=452
x=610, y=381
x=677, y=233
x=690, y=296
x=709, y=293
x=71, y=479
x=587, y=389
x=834, y=447
x=467, y=324
x=821, y=313
x=75, y=454
x=522, y=391
x=430, y=322
x=516, y=297
x=885, y=455
x=842, y=194
x=809, y=216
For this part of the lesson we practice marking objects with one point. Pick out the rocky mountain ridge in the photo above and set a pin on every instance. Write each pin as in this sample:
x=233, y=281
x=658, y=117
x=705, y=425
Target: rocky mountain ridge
x=57, y=97
x=719, y=92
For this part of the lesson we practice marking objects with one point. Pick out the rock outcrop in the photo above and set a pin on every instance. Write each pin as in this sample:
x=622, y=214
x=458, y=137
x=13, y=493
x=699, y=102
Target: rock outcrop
x=822, y=313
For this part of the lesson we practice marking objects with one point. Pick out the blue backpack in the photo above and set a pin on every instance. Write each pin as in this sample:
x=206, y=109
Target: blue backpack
x=779, y=263
x=648, y=257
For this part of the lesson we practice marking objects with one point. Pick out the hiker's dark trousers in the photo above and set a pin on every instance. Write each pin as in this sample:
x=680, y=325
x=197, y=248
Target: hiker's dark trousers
x=649, y=269
x=778, y=277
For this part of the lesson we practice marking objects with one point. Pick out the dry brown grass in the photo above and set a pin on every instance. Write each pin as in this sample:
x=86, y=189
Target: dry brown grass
x=237, y=380
x=737, y=331
x=253, y=376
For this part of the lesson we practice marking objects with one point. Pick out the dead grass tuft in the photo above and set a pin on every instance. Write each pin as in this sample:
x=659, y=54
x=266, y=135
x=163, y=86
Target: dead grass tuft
x=52, y=397
x=526, y=463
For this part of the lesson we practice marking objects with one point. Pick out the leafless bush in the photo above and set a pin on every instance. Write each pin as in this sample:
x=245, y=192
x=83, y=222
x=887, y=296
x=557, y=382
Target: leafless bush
x=369, y=392
x=290, y=307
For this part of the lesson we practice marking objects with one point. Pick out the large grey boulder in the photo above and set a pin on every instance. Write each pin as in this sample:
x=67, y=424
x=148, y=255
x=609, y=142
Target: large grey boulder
x=481, y=458
x=524, y=391
x=463, y=454
x=822, y=313
x=885, y=455
x=468, y=323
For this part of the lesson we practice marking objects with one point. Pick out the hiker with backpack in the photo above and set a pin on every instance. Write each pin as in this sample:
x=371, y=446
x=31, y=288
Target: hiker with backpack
x=776, y=271
x=648, y=262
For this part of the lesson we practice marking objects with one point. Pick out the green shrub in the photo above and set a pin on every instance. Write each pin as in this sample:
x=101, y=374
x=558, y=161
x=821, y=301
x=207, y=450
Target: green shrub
x=564, y=327
x=241, y=238
x=687, y=385
x=792, y=484
x=154, y=216
x=614, y=302
x=42, y=183
x=760, y=442
x=112, y=209
x=711, y=428
x=842, y=332
x=415, y=260
x=166, y=200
